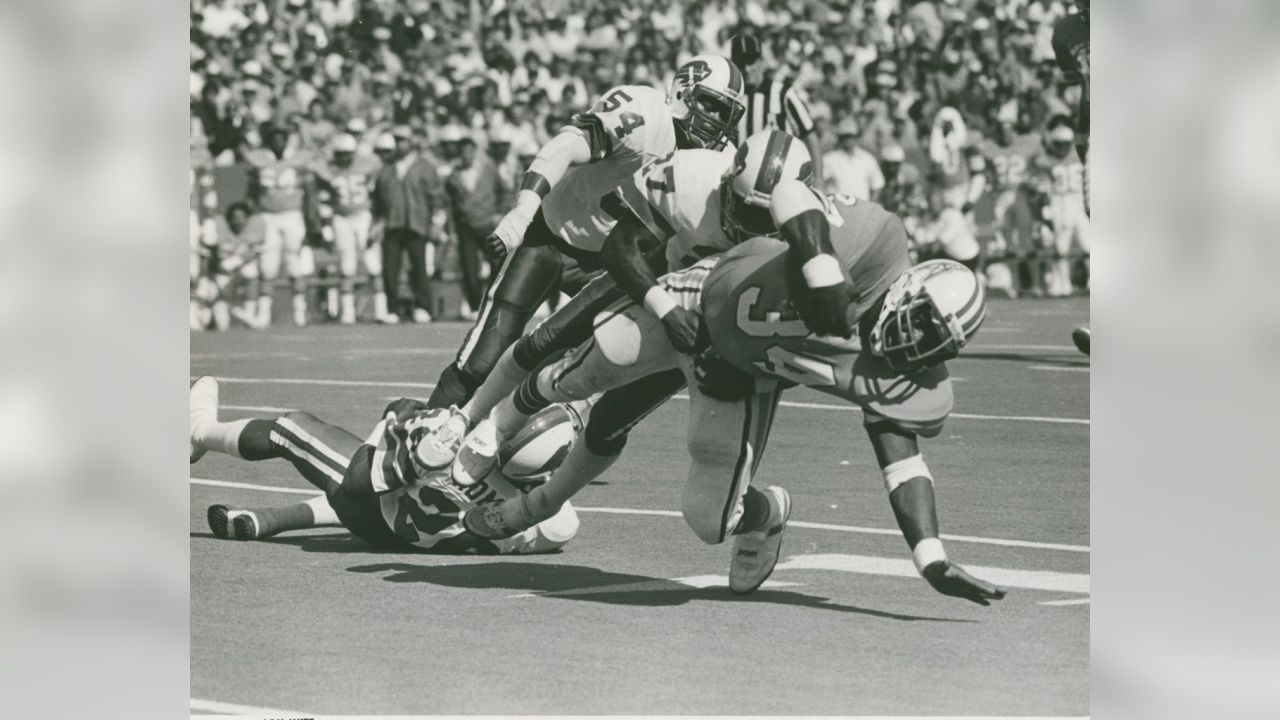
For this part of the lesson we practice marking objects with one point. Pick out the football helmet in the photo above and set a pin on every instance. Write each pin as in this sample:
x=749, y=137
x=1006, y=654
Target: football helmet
x=1059, y=140
x=707, y=99
x=760, y=163
x=344, y=149
x=929, y=313
x=529, y=457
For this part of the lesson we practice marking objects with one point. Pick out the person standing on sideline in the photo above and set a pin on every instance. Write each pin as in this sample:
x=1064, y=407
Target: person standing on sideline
x=851, y=170
x=773, y=101
x=408, y=208
x=474, y=189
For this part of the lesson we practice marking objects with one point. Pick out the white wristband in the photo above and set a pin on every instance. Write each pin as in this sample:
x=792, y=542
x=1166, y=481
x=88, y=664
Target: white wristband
x=822, y=271
x=926, y=552
x=659, y=302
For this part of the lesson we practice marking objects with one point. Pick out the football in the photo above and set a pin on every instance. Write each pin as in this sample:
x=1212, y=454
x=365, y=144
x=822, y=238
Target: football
x=529, y=457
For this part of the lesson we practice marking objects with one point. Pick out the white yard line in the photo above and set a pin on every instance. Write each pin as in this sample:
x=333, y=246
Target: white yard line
x=256, y=408
x=785, y=403
x=674, y=514
x=1061, y=603
x=1060, y=368
x=222, y=708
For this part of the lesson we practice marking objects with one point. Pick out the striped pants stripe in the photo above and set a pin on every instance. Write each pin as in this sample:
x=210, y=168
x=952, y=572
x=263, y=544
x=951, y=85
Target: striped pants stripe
x=321, y=452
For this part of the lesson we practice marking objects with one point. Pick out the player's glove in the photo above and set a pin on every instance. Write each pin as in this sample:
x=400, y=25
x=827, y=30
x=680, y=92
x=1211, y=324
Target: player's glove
x=718, y=379
x=951, y=579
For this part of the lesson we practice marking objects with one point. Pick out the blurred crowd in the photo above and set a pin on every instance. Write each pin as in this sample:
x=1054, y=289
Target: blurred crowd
x=942, y=110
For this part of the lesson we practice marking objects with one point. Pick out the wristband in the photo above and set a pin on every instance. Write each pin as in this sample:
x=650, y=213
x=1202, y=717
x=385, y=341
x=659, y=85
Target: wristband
x=659, y=302
x=822, y=271
x=927, y=552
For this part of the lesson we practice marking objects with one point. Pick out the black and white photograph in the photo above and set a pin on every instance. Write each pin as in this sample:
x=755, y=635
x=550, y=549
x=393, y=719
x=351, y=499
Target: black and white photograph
x=639, y=357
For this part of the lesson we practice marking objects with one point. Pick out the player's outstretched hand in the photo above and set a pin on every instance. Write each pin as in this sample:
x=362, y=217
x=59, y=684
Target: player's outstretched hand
x=826, y=312
x=682, y=328
x=951, y=579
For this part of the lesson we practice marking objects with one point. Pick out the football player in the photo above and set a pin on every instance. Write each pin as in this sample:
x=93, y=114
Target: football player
x=375, y=488
x=672, y=213
x=1071, y=49
x=559, y=211
x=348, y=177
x=278, y=187
x=1063, y=175
x=1006, y=156
x=908, y=320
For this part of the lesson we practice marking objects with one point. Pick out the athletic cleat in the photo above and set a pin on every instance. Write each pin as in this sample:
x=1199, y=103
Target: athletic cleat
x=244, y=525
x=478, y=454
x=439, y=447
x=497, y=520
x=756, y=553
x=204, y=409
x=1080, y=336
x=389, y=319
x=217, y=516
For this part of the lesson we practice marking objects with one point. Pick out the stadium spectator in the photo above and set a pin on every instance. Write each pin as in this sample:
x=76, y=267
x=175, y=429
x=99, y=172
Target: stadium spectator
x=850, y=169
x=408, y=212
x=475, y=191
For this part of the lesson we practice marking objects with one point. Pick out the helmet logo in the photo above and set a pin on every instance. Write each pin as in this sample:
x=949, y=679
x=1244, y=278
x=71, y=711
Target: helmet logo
x=694, y=71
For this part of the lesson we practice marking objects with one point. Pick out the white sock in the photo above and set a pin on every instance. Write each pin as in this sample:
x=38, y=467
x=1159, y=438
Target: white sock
x=502, y=381
x=323, y=512
x=264, y=310
x=506, y=418
x=348, y=306
x=222, y=437
x=580, y=467
x=380, y=305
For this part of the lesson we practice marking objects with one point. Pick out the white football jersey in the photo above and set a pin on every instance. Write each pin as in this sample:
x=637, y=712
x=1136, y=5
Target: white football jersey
x=678, y=199
x=626, y=128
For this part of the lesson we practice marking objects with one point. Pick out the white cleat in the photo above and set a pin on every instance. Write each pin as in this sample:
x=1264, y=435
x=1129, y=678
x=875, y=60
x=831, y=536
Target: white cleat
x=204, y=409
x=439, y=447
x=389, y=319
x=478, y=454
x=756, y=553
x=422, y=317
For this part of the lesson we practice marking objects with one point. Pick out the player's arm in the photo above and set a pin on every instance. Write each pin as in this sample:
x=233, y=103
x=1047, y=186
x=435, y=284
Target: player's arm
x=568, y=148
x=801, y=124
x=977, y=180
x=910, y=487
x=632, y=253
x=825, y=293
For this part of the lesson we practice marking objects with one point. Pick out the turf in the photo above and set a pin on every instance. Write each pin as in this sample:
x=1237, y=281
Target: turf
x=626, y=618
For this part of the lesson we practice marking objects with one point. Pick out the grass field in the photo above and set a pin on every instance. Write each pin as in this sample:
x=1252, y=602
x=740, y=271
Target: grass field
x=634, y=615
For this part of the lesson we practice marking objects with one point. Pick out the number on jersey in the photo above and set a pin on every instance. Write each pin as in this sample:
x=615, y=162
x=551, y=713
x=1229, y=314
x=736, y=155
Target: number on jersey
x=798, y=368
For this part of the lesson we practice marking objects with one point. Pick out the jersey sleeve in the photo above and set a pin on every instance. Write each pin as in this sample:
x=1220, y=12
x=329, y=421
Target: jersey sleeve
x=616, y=123
x=918, y=404
x=799, y=119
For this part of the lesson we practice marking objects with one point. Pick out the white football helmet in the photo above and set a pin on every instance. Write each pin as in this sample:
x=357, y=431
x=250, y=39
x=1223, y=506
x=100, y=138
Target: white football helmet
x=707, y=99
x=930, y=312
x=764, y=159
x=529, y=457
x=344, y=148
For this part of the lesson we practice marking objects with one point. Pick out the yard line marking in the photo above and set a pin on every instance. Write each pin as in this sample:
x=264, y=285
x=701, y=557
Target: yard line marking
x=897, y=567
x=214, y=706
x=256, y=408
x=696, y=582
x=1059, y=603
x=251, y=486
x=676, y=514
x=1059, y=368
x=980, y=348
x=681, y=396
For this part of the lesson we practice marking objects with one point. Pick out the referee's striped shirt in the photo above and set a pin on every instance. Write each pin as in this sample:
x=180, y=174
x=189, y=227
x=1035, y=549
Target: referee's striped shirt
x=776, y=103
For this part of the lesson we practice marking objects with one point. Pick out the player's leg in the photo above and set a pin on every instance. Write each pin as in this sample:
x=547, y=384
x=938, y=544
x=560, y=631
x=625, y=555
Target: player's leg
x=630, y=344
x=346, y=245
x=297, y=262
x=272, y=256
x=319, y=451
x=529, y=274
x=726, y=443
x=371, y=255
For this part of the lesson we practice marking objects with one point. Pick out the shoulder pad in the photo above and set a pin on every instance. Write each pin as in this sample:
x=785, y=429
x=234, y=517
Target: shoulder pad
x=919, y=403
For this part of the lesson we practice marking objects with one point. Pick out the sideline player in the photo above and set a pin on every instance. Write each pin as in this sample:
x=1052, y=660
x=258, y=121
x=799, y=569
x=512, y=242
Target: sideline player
x=349, y=179
x=374, y=488
x=911, y=319
x=1071, y=49
x=1063, y=177
x=279, y=185
x=559, y=213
